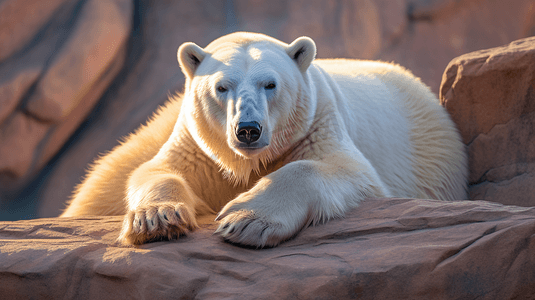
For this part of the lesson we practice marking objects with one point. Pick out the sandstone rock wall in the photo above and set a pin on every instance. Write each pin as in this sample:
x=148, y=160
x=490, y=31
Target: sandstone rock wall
x=61, y=60
x=56, y=60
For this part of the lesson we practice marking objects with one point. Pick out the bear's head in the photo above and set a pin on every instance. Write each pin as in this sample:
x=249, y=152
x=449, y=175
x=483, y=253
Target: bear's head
x=248, y=98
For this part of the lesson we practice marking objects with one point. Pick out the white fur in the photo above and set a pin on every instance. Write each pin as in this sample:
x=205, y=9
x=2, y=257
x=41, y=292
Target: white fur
x=334, y=132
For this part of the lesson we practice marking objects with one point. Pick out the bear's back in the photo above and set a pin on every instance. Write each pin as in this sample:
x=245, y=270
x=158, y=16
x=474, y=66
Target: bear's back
x=400, y=127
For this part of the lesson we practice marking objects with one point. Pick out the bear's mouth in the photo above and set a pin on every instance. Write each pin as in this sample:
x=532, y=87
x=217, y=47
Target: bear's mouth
x=249, y=150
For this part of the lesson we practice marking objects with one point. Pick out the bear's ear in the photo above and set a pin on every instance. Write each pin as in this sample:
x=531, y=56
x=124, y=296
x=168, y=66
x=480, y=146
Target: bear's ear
x=190, y=57
x=302, y=51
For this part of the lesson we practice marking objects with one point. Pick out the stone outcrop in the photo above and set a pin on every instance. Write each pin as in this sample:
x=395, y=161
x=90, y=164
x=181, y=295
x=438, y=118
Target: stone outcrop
x=490, y=95
x=385, y=249
x=56, y=60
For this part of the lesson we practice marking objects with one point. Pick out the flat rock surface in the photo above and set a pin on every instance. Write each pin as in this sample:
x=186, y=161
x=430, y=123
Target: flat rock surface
x=385, y=249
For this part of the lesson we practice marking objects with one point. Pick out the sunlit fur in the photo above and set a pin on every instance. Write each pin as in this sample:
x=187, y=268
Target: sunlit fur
x=335, y=133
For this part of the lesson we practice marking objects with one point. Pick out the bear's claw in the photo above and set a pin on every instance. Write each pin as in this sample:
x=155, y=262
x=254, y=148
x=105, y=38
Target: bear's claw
x=246, y=228
x=155, y=222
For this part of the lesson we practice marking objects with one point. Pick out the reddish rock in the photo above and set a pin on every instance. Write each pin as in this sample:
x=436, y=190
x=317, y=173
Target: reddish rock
x=68, y=125
x=438, y=31
x=101, y=30
x=21, y=20
x=490, y=95
x=17, y=143
x=385, y=249
x=12, y=90
x=339, y=28
x=48, y=89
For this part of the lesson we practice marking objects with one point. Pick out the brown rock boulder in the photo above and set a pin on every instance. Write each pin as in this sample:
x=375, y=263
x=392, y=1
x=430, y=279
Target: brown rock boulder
x=57, y=59
x=490, y=95
x=385, y=249
x=20, y=20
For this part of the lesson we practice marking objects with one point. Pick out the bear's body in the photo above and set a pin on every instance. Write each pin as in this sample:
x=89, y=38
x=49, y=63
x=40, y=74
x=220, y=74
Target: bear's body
x=275, y=141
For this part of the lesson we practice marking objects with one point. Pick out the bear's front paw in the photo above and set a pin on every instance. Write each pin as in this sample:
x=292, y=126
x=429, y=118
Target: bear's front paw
x=155, y=222
x=249, y=228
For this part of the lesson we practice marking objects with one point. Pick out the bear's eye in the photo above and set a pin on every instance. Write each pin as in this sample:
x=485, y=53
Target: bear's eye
x=221, y=89
x=270, y=86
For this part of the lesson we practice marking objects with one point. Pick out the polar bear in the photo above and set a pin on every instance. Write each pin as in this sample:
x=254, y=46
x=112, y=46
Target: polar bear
x=274, y=140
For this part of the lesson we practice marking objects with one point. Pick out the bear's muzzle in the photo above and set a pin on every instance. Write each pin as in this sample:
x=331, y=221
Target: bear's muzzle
x=248, y=132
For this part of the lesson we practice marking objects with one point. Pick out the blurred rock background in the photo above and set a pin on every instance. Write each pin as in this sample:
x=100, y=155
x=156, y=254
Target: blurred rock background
x=75, y=76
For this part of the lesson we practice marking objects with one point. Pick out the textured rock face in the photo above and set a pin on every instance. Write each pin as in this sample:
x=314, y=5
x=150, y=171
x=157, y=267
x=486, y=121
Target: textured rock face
x=56, y=60
x=385, y=249
x=44, y=57
x=490, y=95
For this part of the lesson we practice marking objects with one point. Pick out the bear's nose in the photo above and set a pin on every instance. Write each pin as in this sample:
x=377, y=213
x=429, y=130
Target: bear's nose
x=248, y=132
